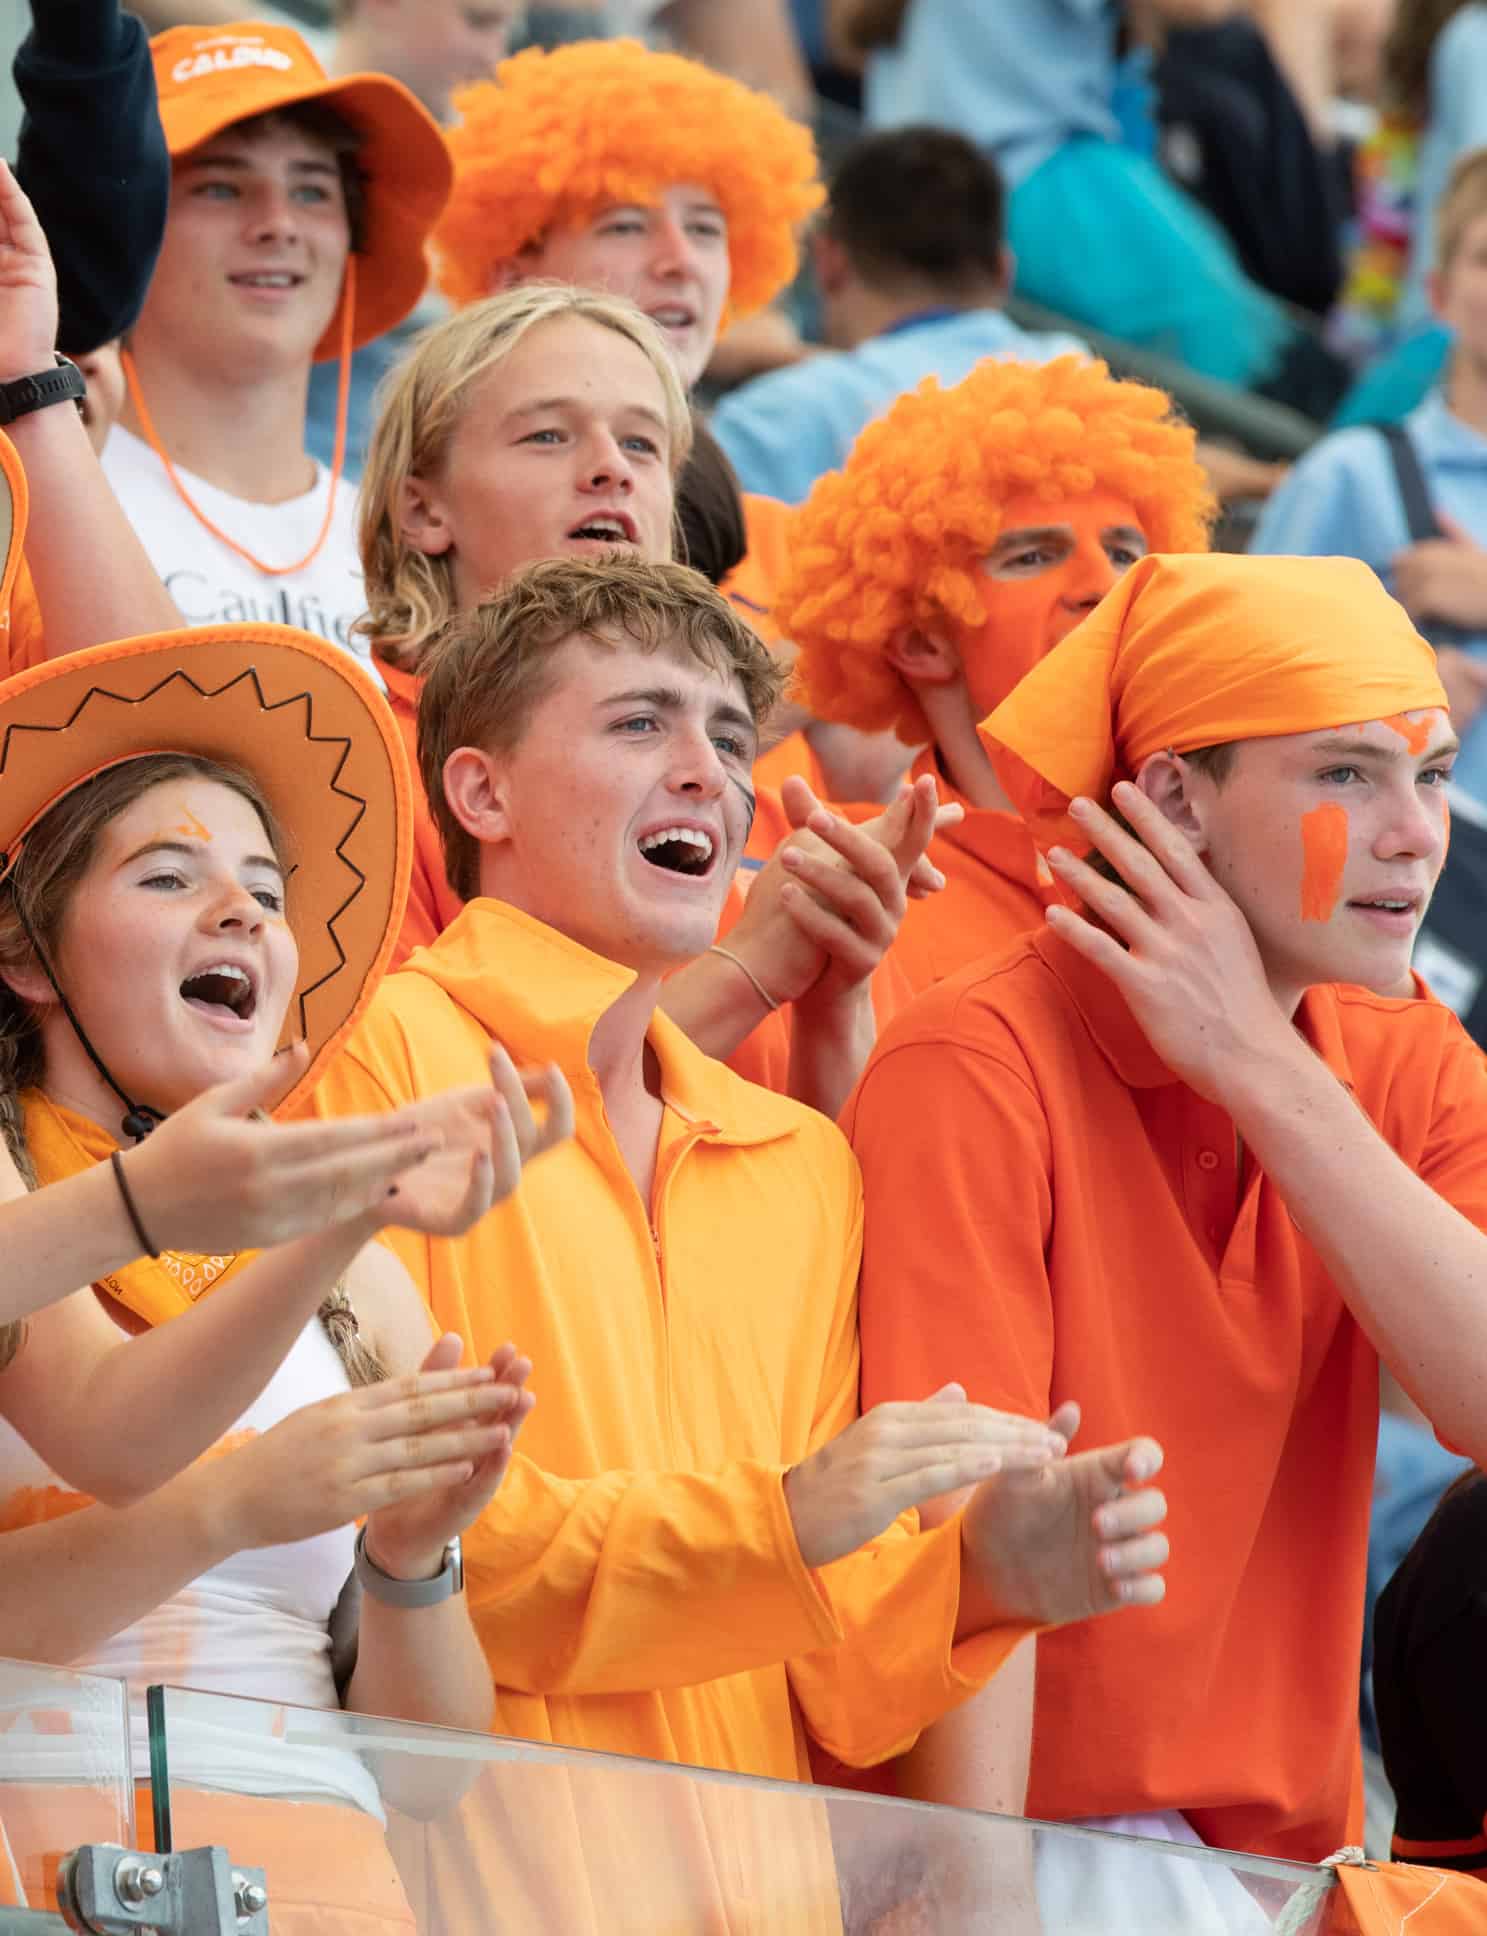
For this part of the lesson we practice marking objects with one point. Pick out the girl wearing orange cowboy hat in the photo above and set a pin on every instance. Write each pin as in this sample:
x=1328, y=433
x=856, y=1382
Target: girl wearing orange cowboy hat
x=206, y=837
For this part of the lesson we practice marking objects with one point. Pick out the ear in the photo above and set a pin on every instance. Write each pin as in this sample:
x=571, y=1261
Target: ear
x=829, y=261
x=475, y=789
x=421, y=518
x=30, y=984
x=1177, y=789
x=923, y=658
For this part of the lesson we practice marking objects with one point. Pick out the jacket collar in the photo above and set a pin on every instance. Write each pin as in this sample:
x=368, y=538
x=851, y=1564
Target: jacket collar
x=542, y=994
x=998, y=839
x=1120, y=1038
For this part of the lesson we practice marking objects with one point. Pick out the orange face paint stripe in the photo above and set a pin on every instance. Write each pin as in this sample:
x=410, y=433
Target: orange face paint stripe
x=1415, y=736
x=1324, y=847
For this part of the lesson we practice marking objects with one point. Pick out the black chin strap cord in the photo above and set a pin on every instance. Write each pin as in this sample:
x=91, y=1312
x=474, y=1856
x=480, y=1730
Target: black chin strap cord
x=139, y=1118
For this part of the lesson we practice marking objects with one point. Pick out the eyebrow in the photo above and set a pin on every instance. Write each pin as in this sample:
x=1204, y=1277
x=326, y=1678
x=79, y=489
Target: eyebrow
x=191, y=850
x=244, y=163
x=670, y=699
x=541, y=406
x=1060, y=534
x=1364, y=749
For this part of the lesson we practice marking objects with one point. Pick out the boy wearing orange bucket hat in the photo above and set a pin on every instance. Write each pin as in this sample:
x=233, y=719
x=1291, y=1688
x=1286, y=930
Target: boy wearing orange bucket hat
x=299, y=210
x=1178, y=1166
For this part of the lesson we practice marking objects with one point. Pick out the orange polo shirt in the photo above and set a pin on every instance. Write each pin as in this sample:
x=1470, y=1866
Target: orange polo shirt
x=750, y=586
x=996, y=884
x=763, y=1056
x=1094, y=1238
x=636, y=1582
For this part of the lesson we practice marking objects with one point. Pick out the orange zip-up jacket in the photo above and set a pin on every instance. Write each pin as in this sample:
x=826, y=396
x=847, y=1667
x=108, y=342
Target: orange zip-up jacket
x=636, y=1582
x=997, y=886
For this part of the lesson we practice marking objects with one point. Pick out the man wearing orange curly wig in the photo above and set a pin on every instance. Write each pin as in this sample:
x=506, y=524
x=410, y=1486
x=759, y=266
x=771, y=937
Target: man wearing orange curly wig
x=970, y=529
x=641, y=174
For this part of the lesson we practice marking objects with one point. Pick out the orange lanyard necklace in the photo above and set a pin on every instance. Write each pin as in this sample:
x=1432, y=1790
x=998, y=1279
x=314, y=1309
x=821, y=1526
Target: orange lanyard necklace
x=343, y=392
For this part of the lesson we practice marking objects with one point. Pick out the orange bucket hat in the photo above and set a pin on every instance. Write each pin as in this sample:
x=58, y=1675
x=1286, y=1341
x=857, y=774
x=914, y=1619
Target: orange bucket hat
x=208, y=79
x=1198, y=650
x=295, y=712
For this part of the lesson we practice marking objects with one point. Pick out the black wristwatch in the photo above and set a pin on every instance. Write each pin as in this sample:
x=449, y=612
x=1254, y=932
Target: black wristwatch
x=65, y=384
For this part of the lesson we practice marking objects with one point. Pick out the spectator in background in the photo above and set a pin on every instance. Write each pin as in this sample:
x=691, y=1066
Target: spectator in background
x=299, y=211
x=913, y=272
x=1099, y=232
x=1345, y=495
x=997, y=515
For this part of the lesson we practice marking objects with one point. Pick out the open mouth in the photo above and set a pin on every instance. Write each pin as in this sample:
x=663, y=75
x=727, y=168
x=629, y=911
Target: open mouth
x=1387, y=904
x=606, y=527
x=222, y=990
x=268, y=279
x=679, y=850
x=674, y=316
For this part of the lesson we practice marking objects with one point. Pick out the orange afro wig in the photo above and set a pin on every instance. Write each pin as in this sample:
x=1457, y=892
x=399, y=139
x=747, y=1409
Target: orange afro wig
x=558, y=136
x=893, y=542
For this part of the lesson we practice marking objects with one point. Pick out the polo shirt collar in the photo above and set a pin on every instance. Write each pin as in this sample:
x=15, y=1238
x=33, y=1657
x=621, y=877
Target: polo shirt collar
x=1120, y=1038
x=1442, y=436
x=542, y=994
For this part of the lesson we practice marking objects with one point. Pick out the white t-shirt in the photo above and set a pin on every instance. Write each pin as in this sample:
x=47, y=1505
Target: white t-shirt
x=210, y=583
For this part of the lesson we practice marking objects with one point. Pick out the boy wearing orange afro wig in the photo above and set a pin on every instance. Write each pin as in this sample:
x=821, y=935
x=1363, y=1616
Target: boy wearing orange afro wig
x=1186, y=1159
x=641, y=174
x=968, y=531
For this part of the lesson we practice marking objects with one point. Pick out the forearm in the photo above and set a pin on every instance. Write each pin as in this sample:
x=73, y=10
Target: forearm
x=76, y=521
x=830, y=1042
x=421, y=1664
x=58, y=1239
x=222, y=1353
x=1412, y=1269
x=713, y=1002
x=979, y=1755
x=69, y=1584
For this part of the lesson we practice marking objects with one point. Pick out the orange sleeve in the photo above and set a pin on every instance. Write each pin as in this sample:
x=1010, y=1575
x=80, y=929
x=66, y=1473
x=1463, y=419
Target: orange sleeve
x=959, y=1211
x=895, y=1668
x=25, y=642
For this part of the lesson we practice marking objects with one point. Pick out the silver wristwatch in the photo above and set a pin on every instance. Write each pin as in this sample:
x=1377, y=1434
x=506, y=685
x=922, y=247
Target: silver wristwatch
x=448, y=1581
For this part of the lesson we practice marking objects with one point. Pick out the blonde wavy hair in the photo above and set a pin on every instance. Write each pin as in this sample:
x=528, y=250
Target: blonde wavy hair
x=558, y=136
x=893, y=542
x=410, y=595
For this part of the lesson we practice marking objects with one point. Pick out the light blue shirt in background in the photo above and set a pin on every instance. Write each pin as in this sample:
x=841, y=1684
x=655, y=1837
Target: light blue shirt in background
x=1016, y=76
x=1342, y=500
x=1456, y=123
x=784, y=430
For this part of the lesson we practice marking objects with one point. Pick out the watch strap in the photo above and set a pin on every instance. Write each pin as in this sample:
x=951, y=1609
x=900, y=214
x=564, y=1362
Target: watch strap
x=410, y=1593
x=64, y=383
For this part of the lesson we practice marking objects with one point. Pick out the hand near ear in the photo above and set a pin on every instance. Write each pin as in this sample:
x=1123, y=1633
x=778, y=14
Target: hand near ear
x=1174, y=944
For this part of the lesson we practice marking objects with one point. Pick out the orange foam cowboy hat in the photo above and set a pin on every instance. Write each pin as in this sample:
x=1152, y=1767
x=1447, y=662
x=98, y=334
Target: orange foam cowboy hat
x=209, y=79
x=295, y=712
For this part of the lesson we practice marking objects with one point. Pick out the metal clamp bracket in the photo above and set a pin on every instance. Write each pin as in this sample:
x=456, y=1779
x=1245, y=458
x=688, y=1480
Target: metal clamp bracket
x=105, y=1890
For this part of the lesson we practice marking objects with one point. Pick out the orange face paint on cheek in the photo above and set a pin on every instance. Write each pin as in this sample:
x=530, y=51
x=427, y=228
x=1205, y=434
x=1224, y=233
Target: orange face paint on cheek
x=1324, y=849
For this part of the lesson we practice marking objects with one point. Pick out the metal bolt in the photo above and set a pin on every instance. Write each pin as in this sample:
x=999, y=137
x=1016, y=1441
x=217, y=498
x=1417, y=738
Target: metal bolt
x=136, y=1882
x=250, y=1898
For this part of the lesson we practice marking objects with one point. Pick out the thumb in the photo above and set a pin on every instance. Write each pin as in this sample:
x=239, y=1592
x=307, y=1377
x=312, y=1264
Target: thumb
x=953, y=1393
x=445, y=1353
x=262, y=1088
x=1452, y=530
x=1065, y=1420
x=798, y=800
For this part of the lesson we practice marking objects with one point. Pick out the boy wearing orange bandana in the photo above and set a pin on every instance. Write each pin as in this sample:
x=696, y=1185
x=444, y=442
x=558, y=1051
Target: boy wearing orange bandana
x=1175, y=1165
x=970, y=529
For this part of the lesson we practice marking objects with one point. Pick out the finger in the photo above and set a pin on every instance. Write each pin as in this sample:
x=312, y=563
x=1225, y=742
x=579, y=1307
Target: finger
x=872, y=899
x=1114, y=903
x=1172, y=856
x=422, y=1384
x=854, y=955
x=924, y=879
x=875, y=861
x=1143, y=1554
x=549, y=1086
x=919, y=827
x=444, y=1353
x=262, y=1088
x=465, y=1444
x=798, y=800
x=952, y=1393
x=1138, y=856
x=1066, y=1420
x=1093, y=943
x=26, y=231
x=1452, y=529
x=396, y=1488
x=509, y=1088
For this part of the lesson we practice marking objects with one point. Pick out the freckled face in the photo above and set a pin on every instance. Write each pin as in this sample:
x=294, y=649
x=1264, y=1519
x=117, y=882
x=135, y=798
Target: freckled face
x=182, y=884
x=1331, y=843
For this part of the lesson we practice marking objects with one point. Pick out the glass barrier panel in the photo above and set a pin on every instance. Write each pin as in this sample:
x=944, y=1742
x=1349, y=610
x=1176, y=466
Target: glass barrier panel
x=64, y=1774
x=447, y=1834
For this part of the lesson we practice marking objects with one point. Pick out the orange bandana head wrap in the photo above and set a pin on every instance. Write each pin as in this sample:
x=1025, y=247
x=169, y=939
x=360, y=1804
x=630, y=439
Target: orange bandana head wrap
x=1197, y=651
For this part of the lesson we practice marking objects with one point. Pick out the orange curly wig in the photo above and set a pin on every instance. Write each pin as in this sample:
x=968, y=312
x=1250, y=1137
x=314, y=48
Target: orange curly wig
x=558, y=136
x=893, y=542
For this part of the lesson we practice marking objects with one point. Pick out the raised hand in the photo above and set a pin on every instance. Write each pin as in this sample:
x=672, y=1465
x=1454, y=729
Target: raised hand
x=407, y=1539
x=488, y=1137
x=898, y=1455
x=1074, y=1538
x=363, y=1451
x=1174, y=943
x=28, y=285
